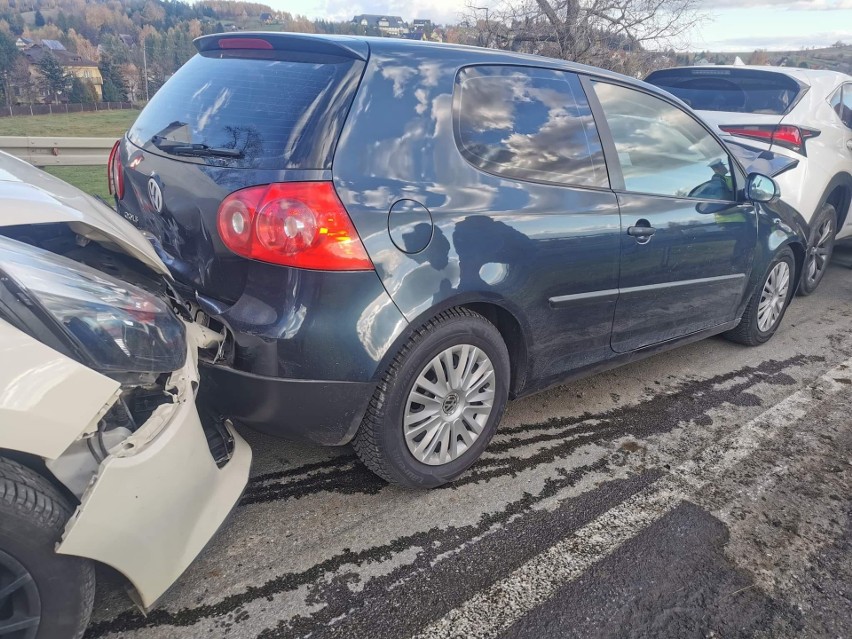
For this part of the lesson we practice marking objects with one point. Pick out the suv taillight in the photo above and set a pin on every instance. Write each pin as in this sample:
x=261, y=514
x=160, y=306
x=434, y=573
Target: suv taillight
x=301, y=224
x=786, y=135
x=115, y=174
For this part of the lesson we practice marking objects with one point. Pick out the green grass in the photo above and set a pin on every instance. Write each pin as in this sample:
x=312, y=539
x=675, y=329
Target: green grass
x=100, y=124
x=91, y=179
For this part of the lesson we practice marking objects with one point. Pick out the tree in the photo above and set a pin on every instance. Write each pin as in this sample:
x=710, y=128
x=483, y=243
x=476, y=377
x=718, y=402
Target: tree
x=54, y=80
x=9, y=55
x=587, y=31
x=759, y=57
x=39, y=19
x=114, y=88
x=82, y=92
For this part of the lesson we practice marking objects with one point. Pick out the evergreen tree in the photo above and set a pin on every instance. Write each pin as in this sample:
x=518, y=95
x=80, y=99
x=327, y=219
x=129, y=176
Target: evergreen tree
x=8, y=55
x=114, y=87
x=82, y=92
x=53, y=77
x=39, y=19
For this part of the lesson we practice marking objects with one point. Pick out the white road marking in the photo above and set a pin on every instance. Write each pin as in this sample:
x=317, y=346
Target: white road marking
x=493, y=610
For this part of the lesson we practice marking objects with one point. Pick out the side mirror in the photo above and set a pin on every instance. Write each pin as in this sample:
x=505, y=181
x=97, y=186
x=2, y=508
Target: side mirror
x=761, y=188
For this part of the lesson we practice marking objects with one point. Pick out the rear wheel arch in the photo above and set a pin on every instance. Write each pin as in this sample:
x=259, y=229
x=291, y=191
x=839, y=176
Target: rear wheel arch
x=508, y=324
x=838, y=193
x=513, y=336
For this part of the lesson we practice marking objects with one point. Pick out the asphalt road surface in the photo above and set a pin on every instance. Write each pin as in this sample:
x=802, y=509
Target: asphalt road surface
x=705, y=492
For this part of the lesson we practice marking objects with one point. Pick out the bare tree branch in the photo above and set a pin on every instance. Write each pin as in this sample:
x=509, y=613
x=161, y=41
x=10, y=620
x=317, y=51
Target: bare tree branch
x=616, y=34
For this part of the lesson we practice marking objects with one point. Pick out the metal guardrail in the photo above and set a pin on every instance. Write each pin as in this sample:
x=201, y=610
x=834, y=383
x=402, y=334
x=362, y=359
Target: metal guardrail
x=58, y=151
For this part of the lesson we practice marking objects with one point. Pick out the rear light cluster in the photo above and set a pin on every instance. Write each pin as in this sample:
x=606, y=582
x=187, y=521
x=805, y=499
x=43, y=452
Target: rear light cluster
x=790, y=137
x=300, y=224
x=115, y=173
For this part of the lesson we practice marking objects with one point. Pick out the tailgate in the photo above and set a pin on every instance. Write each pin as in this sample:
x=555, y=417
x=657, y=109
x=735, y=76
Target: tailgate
x=248, y=109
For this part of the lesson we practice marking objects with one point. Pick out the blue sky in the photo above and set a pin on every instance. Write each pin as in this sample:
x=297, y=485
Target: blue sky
x=732, y=25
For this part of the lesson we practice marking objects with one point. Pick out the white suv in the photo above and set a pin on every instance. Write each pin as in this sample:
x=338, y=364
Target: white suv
x=802, y=113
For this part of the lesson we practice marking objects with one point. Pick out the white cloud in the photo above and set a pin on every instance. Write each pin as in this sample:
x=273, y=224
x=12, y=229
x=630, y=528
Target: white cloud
x=791, y=5
x=779, y=42
x=439, y=11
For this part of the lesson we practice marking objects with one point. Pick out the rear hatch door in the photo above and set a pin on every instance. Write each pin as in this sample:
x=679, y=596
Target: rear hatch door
x=248, y=109
x=733, y=96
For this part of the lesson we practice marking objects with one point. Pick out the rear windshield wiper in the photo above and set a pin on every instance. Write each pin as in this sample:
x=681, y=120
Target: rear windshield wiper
x=195, y=150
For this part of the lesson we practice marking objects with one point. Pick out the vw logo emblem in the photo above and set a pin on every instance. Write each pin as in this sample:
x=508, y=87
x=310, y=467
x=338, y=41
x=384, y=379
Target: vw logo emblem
x=155, y=194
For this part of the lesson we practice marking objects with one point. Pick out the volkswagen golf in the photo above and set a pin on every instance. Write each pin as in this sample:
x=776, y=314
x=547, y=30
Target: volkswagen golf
x=398, y=237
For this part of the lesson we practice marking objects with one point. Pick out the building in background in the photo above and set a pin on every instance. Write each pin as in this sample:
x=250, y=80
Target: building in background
x=75, y=66
x=385, y=25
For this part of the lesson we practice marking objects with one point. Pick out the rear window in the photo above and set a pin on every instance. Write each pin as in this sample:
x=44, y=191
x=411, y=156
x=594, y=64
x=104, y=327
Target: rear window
x=733, y=90
x=529, y=124
x=271, y=109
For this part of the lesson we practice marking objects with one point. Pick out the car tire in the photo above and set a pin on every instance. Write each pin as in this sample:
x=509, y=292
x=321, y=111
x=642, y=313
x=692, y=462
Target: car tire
x=759, y=322
x=396, y=442
x=56, y=590
x=821, y=247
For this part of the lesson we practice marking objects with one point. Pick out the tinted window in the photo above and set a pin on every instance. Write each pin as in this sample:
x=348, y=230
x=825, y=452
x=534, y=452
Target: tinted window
x=662, y=150
x=280, y=109
x=739, y=91
x=532, y=124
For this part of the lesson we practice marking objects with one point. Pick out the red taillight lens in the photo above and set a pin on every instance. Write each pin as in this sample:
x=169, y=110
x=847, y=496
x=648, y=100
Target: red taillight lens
x=115, y=174
x=791, y=137
x=301, y=224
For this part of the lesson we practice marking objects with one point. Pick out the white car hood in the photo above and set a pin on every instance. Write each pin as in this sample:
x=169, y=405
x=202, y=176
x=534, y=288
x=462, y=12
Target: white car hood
x=31, y=196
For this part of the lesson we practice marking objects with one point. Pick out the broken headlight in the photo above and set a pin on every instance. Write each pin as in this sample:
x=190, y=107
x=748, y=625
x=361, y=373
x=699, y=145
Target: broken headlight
x=117, y=328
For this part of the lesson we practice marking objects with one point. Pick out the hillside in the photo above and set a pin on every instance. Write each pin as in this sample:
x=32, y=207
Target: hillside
x=834, y=58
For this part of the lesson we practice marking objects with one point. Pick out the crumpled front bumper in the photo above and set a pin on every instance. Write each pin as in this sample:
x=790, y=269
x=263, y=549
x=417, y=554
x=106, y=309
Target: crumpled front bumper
x=158, y=499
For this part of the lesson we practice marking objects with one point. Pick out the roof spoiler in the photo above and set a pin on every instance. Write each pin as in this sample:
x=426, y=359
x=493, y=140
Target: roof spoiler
x=302, y=42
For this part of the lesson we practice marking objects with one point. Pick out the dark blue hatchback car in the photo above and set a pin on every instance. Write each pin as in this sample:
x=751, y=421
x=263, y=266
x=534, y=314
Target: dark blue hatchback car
x=397, y=237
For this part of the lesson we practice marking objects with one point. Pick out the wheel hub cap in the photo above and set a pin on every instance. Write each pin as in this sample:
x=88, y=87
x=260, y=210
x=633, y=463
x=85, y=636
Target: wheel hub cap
x=820, y=252
x=449, y=405
x=773, y=296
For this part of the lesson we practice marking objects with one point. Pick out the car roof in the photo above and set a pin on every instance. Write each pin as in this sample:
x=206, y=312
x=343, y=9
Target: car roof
x=476, y=54
x=808, y=76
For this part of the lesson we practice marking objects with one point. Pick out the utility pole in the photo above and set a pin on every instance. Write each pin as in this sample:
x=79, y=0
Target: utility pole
x=145, y=67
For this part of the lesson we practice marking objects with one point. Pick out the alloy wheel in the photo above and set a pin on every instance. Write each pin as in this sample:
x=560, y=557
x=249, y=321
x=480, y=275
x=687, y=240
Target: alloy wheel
x=773, y=296
x=820, y=252
x=449, y=405
x=20, y=604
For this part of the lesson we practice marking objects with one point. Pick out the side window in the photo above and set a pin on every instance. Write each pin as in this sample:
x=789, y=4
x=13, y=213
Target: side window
x=835, y=101
x=662, y=150
x=846, y=105
x=529, y=124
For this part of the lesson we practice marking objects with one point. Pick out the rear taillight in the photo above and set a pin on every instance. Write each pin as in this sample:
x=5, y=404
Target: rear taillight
x=788, y=136
x=115, y=174
x=301, y=224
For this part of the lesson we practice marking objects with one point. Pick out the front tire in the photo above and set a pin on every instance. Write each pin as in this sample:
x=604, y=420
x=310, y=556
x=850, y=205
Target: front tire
x=439, y=403
x=821, y=243
x=767, y=305
x=43, y=595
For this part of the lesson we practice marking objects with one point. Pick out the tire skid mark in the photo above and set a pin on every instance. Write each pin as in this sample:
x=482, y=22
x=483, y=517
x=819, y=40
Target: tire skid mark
x=686, y=402
x=441, y=540
x=658, y=414
x=420, y=593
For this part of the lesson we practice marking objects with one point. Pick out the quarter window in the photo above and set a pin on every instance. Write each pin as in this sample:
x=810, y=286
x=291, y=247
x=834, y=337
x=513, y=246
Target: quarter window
x=662, y=149
x=528, y=123
x=846, y=106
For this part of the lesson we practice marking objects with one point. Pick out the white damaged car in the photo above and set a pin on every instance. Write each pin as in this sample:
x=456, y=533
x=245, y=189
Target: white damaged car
x=103, y=454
